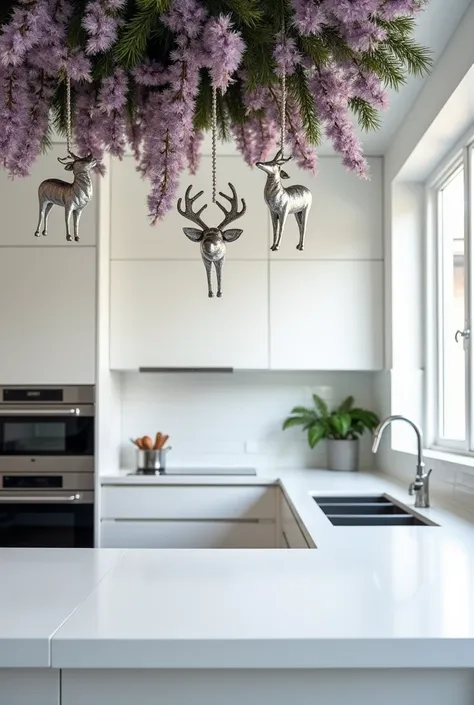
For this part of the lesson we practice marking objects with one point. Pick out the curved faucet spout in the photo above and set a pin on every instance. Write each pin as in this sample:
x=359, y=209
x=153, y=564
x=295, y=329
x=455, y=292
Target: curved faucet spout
x=421, y=479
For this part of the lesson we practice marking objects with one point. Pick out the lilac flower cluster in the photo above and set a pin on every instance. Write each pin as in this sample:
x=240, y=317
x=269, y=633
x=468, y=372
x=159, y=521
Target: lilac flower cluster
x=101, y=22
x=224, y=48
x=35, y=55
x=169, y=114
x=332, y=92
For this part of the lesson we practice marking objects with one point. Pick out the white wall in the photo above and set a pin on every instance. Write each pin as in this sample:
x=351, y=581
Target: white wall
x=434, y=125
x=233, y=420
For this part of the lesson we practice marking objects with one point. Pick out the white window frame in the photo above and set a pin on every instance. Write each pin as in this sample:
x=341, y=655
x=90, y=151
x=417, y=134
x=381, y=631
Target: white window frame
x=462, y=156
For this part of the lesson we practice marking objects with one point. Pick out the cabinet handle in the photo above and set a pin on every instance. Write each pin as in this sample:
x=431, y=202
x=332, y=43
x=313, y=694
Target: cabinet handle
x=186, y=370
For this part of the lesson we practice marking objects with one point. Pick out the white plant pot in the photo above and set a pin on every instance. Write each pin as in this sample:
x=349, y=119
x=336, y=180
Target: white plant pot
x=343, y=455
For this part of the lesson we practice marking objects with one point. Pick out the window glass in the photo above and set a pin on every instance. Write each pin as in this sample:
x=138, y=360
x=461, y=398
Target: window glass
x=452, y=310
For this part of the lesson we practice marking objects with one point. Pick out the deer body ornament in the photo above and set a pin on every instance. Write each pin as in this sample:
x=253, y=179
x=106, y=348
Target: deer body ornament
x=73, y=197
x=212, y=240
x=283, y=201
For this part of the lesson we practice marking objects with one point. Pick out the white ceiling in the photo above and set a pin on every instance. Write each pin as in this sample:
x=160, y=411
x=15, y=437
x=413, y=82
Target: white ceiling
x=436, y=25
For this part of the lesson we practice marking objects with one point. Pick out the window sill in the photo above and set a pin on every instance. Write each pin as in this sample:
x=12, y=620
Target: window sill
x=449, y=457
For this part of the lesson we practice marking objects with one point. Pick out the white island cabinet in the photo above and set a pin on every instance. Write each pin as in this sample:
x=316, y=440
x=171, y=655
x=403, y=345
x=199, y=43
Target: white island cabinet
x=150, y=516
x=30, y=686
x=47, y=315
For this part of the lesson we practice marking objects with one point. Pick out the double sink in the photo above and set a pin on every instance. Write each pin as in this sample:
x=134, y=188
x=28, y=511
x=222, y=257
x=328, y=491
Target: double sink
x=368, y=510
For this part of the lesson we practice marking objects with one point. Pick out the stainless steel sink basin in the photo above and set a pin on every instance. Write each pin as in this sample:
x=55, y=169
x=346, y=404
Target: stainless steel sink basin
x=376, y=510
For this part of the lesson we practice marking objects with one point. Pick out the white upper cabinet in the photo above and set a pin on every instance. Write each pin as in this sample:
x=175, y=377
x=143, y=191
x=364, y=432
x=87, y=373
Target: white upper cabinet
x=326, y=315
x=47, y=315
x=161, y=316
x=134, y=238
x=19, y=199
x=345, y=220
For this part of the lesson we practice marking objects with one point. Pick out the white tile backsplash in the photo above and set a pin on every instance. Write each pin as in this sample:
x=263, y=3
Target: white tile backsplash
x=235, y=419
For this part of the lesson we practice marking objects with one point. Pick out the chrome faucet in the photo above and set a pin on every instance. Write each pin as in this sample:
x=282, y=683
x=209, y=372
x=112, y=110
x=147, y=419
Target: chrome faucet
x=421, y=486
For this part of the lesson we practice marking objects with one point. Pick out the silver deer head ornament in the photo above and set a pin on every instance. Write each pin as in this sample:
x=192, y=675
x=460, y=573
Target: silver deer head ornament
x=73, y=197
x=212, y=240
x=283, y=201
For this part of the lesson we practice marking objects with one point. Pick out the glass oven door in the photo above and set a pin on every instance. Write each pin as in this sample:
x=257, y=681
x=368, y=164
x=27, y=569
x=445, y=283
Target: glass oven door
x=46, y=521
x=46, y=432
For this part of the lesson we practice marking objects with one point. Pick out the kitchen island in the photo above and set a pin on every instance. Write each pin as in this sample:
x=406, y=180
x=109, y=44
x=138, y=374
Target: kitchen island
x=257, y=626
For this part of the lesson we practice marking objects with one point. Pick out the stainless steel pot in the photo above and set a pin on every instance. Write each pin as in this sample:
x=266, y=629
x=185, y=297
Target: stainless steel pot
x=152, y=461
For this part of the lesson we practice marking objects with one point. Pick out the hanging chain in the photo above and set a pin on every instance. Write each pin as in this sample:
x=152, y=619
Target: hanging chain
x=214, y=143
x=283, y=96
x=68, y=114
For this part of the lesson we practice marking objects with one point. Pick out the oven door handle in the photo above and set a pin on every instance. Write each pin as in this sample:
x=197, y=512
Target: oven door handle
x=41, y=498
x=40, y=412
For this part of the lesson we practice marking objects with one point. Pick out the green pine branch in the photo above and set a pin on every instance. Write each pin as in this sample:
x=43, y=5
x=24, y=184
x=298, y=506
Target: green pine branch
x=300, y=91
x=132, y=44
x=157, y=6
x=245, y=12
x=387, y=66
x=416, y=58
x=367, y=116
x=316, y=48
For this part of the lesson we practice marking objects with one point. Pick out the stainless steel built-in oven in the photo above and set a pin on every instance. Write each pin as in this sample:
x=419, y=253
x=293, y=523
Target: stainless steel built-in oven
x=47, y=466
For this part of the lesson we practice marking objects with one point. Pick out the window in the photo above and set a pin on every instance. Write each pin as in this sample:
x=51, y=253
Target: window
x=452, y=300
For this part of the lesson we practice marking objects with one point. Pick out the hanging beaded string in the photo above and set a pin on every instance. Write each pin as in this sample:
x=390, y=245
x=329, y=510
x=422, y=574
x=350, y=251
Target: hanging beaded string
x=283, y=96
x=214, y=143
x=68, y=114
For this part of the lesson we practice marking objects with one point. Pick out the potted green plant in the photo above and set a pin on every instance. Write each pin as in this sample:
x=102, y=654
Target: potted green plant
x=341, y=427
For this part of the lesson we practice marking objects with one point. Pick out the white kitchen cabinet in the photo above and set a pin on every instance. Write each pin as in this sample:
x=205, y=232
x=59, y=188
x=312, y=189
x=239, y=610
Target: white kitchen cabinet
x=345, y=220
x=185, y=502
x=150, y=516
x=47, y=315
x=326, y=315
x=132, y=236
x=291, y=534
x=187, y=534
x=29, y=686
x=161, y=316
x=19, y=207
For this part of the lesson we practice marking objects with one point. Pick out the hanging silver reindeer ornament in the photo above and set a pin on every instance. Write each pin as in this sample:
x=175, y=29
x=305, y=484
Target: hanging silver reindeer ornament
x=73, y=197
x=213, y=241
x=281, y=201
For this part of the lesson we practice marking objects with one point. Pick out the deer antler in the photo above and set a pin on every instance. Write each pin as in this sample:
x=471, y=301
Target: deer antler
x=66, y=160
x=234, y=212
x=188, y=210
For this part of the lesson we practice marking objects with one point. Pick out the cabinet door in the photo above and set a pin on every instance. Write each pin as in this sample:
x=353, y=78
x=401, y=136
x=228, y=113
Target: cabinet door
x=345, y=220
x=161, y=316
x=326, y=315
x=292, y=536
x=29, y=686
x=213, y=503
x=187, y=534
x=19, y=206
x=47, y=315
x=134, y=238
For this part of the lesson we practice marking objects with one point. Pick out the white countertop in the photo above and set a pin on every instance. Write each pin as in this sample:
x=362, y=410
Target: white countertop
x=39, y=589
x=368, y=597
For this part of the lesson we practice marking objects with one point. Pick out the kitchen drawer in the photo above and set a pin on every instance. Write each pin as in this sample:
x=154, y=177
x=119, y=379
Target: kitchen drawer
x=293, y=537
x=210, y=502
x=187, y=534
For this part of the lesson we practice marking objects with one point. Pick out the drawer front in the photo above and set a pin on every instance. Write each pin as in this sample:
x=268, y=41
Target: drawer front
x=151, y=502
x=293, y=537
x=187, y=534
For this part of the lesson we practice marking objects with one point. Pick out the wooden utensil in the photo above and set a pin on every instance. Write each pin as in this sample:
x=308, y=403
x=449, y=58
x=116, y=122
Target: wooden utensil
x=157, y=441
x=163, y=441
x=147, y=443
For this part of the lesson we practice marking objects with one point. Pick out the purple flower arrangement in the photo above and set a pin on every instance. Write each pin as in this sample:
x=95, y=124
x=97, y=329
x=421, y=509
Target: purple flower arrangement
x=141, y=78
